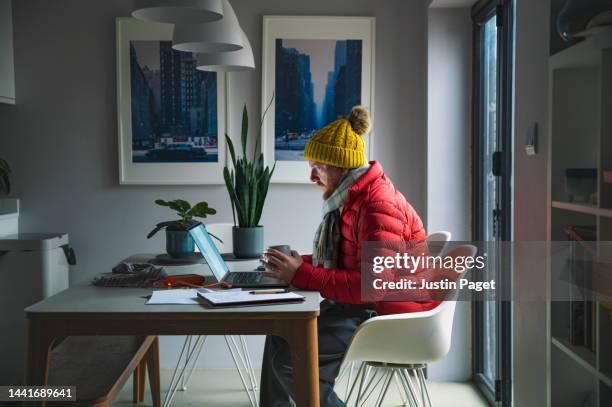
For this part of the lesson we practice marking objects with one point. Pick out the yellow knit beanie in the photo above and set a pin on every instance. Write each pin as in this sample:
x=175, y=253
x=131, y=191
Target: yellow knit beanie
x=340, y=143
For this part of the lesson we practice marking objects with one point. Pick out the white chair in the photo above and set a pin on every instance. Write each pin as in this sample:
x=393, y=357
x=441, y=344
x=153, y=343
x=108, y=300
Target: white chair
x=436, y=243
x=236, y=344
x=398, y=347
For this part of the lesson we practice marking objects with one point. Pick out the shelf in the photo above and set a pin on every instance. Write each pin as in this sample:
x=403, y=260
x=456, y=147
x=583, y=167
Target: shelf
x=579, y=353
x=583, y=357
x=571, y=384
x=586, y=53
x=583, y=208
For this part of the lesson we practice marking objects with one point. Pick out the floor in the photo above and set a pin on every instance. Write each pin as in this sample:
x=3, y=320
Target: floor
x=222, y=388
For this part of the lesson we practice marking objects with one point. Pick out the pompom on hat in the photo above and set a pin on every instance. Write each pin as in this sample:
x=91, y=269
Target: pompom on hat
x=340, y=143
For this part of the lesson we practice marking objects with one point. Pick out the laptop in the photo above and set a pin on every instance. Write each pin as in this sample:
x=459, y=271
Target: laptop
x=220, y=270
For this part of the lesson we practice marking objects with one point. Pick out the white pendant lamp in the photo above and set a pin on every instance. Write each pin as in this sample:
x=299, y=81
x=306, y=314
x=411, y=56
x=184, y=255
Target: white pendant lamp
x=178, y=11
x=240, y=60
x=218, y=36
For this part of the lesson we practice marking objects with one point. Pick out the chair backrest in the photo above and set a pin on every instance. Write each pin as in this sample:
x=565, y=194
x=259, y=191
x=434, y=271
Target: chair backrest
x=437, y=241
x=224, y=232
x=418, y=337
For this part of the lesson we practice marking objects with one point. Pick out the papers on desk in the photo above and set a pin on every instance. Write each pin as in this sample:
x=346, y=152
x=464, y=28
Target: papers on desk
x=238, y=298
x=179, y=296
x=232, y=297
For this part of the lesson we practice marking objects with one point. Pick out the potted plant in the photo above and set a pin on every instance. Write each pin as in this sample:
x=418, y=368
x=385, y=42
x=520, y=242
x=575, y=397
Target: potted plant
x=178, y=240
x=247, y=184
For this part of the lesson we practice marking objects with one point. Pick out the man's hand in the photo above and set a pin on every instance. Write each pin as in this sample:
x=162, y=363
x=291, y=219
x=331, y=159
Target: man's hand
x=280, y=265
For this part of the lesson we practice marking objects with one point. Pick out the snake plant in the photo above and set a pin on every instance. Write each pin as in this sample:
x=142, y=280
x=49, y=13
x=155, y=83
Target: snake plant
x=5, y=183
x=247, y=182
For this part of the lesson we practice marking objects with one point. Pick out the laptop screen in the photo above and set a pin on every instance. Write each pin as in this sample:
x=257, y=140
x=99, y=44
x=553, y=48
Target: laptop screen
x=209, y=251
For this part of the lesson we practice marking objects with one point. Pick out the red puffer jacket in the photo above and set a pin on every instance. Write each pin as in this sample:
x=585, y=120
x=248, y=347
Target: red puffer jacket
x=374, y=210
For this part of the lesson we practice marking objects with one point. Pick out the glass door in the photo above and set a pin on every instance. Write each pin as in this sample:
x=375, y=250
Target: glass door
x=492, y=158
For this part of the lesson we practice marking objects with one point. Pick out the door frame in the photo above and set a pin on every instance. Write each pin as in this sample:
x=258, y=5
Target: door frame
x=500, y=392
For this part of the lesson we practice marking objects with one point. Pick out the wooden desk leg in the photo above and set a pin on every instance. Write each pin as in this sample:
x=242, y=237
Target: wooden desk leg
x=303, y=342
x=40, y=341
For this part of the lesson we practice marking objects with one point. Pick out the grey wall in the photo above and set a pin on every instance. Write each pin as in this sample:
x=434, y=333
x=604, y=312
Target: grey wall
x=530, y=198
x=448, y=154
x=449, y=120
x=61, y=137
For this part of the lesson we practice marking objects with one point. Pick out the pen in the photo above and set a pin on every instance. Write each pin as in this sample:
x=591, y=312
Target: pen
x=271, y=291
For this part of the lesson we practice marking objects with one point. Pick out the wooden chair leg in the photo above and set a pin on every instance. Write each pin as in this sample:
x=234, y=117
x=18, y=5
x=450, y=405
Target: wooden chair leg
x=142, y=377
x=152, y=359
x=136, y=384
x=139, y=382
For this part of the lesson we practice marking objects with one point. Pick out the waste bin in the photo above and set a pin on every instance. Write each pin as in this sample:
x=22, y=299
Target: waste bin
x=33, y=266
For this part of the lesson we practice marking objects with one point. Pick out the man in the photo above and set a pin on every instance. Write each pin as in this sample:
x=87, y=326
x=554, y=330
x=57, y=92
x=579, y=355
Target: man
x=360, y=204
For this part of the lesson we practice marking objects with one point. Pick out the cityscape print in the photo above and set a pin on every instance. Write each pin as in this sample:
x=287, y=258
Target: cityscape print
x=174, y=105
x=317, y=82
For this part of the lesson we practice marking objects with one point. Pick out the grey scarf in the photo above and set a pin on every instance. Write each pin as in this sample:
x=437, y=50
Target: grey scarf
x=327, y=237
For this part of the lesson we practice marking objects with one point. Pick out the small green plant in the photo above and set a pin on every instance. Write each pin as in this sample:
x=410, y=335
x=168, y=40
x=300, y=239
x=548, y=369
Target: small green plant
x=5, y=182
x=248, y=181
x=186, y=213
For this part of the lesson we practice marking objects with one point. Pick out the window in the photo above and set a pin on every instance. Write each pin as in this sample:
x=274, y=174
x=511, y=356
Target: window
x=492, y=200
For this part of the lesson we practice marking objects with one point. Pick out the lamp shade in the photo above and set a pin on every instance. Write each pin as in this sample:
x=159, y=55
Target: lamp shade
x=178, y=11
x=218, y=36
x=240, y=60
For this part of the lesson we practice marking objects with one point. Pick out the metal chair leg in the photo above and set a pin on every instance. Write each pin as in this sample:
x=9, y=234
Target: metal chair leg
x=250, y=371
x=172, y=386
x=358, y=377
x=189, y=358
x=190, y=354
x=189, y=350
x=401, y=389
x=385, y=373
x=247, y=357
x=240, y=364
x=343, y=371
x=385, y=389
x=426, y=396
x=410, y=390
x=199, y=344
x=364, y=379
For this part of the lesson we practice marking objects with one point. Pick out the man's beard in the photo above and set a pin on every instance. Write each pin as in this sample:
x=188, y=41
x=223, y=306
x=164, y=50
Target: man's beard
x=330, y=190
x=327, y=193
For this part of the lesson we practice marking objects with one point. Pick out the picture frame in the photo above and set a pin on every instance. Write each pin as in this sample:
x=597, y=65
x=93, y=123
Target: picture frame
x=316, y=37
x=185, y=152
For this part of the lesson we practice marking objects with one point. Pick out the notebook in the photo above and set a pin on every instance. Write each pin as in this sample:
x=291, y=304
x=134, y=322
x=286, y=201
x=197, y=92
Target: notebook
x=229, y=298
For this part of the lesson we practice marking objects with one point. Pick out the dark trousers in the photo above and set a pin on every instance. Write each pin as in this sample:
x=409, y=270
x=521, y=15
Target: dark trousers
x=336, y=325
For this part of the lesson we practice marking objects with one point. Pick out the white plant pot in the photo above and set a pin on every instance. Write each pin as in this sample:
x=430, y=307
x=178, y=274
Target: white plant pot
x=9, y=216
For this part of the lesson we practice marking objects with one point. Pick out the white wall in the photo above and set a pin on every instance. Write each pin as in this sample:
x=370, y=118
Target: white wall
x=61, y=137
x=449, y=137
x=530, y=200
x=448, y=156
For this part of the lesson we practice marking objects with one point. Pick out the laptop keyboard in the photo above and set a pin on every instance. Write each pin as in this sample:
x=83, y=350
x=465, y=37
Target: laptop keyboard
x=245, y=277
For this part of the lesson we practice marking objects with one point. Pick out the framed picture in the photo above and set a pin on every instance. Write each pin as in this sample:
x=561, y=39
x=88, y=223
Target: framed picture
x=315, y=69
x=171, y=116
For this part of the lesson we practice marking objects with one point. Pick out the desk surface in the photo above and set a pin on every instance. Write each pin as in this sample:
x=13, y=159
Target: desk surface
x=88, y=299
